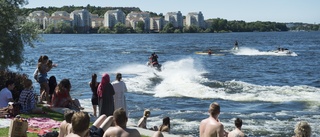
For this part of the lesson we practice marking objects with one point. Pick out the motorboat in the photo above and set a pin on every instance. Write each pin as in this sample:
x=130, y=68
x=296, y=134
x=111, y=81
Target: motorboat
x=282, y=51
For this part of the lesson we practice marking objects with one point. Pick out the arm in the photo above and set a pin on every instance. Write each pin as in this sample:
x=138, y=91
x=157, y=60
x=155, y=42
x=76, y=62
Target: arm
x=125, y=87
x=220, y=130
x=201, y=128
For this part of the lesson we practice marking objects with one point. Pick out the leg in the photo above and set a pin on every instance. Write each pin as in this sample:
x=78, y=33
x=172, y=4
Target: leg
x=99, y=121
x=42, y=92
x=47, y=92
x=107, y=123
x=94, y=110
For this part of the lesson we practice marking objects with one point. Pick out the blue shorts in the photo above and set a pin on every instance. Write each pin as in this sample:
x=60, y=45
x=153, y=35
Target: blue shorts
x=42, y=78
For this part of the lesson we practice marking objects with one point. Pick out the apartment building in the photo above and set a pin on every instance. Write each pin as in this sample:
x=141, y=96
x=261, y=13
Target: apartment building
x=96, y=21
x=156, y=24
x=38, y=18
x=175, y=18
x=194, y=18
x=81, y=20
x=133, y=18
x=112, y=17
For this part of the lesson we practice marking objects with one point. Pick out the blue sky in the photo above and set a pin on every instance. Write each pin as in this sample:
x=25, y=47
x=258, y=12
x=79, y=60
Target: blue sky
x=307, y=11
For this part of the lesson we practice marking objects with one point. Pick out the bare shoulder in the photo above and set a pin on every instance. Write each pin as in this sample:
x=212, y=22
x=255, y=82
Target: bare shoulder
x=133, y=132
x=110, y=131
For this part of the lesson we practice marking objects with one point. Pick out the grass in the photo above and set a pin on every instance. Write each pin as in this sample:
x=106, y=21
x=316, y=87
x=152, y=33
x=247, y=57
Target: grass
x=50, y=114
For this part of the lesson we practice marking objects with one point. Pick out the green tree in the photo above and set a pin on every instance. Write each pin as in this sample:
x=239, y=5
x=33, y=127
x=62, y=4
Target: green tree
x=104, y=30
x=14, y=33
x=64, y=27
x=168, y=28
x=120, y=28
x=140, y=27
x=49, y=29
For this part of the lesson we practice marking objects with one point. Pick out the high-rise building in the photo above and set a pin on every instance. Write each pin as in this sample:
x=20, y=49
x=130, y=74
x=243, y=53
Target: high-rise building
x=194, y=18
x=81, y=20
x=133, y=19
x=175, y=18
x=156, y=24
x=112, y=17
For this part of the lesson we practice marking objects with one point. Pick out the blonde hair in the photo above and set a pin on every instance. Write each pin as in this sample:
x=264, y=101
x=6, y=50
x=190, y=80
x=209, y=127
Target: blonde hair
x=302, y=129
x=80, y=122
x=146, y=113
x=214, y=108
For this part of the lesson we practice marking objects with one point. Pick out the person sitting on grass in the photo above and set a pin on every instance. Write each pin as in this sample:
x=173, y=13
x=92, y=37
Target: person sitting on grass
x=121, y=130
x=62, y=98
x=101, y=125
x=6, y=95
x=66, y=126
x=80, y=122
x=27, y=99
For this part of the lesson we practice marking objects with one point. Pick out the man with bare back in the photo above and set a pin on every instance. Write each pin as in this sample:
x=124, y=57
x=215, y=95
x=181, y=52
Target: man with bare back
x=211, y=126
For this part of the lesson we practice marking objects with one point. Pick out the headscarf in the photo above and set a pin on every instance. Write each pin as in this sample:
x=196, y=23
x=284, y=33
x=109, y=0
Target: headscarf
x=104, y=81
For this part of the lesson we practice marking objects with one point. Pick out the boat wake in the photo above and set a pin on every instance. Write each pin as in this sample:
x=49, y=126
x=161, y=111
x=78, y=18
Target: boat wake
x=254, y=52
x=185, y=78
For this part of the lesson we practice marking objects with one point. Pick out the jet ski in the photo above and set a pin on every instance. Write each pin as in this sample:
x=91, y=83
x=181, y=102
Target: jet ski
x=282, y=51
x=155, y=65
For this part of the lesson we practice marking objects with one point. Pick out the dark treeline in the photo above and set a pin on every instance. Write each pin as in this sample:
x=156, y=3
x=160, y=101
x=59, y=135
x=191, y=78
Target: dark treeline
x=92, y=9
x=222, y=25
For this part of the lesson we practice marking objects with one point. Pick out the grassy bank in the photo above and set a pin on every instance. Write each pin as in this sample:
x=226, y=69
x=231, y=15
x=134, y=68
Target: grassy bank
x=50, y=114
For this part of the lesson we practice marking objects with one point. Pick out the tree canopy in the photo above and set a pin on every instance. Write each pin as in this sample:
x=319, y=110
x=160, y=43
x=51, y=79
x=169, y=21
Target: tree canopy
x=15, y=33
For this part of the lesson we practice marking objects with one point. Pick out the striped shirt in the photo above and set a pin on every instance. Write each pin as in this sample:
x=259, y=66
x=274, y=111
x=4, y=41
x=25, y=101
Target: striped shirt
x=27, y=101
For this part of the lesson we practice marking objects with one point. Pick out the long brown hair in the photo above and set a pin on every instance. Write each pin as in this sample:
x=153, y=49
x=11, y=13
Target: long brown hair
x=93, y=82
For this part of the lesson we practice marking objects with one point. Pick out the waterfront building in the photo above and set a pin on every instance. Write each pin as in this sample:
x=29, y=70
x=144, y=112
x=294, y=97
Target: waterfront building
x=175, y=18
x=61, y=13
x=133, y=19
x=38, y=18
x=194, y=18
x=156, y=24
x=112, y=17
x=81, y=20
x=96, y=21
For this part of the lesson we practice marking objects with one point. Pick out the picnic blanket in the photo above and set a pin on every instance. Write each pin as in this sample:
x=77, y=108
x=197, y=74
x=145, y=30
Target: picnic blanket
x=42, y=125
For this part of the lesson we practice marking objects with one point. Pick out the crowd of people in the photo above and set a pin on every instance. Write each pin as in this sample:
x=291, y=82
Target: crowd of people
x=110, y=99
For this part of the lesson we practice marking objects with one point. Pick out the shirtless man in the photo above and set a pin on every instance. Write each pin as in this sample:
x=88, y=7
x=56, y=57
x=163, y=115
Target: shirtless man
x=237, y=131
x=211, y=126
x=121, y=130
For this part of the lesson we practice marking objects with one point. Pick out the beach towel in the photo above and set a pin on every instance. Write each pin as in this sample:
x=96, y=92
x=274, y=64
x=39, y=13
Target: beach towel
x=42, y=125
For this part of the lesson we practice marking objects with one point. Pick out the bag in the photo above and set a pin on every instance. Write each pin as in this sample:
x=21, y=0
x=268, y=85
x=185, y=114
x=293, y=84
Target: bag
x=18, y=128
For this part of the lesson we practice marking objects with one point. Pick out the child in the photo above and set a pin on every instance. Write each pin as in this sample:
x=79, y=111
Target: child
x=65, y=126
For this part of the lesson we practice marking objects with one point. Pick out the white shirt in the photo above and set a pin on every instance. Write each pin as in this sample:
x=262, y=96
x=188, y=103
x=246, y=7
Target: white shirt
x=5, y=95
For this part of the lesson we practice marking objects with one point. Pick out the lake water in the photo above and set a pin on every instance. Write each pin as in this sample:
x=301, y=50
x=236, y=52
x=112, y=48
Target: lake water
x=269, y=92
